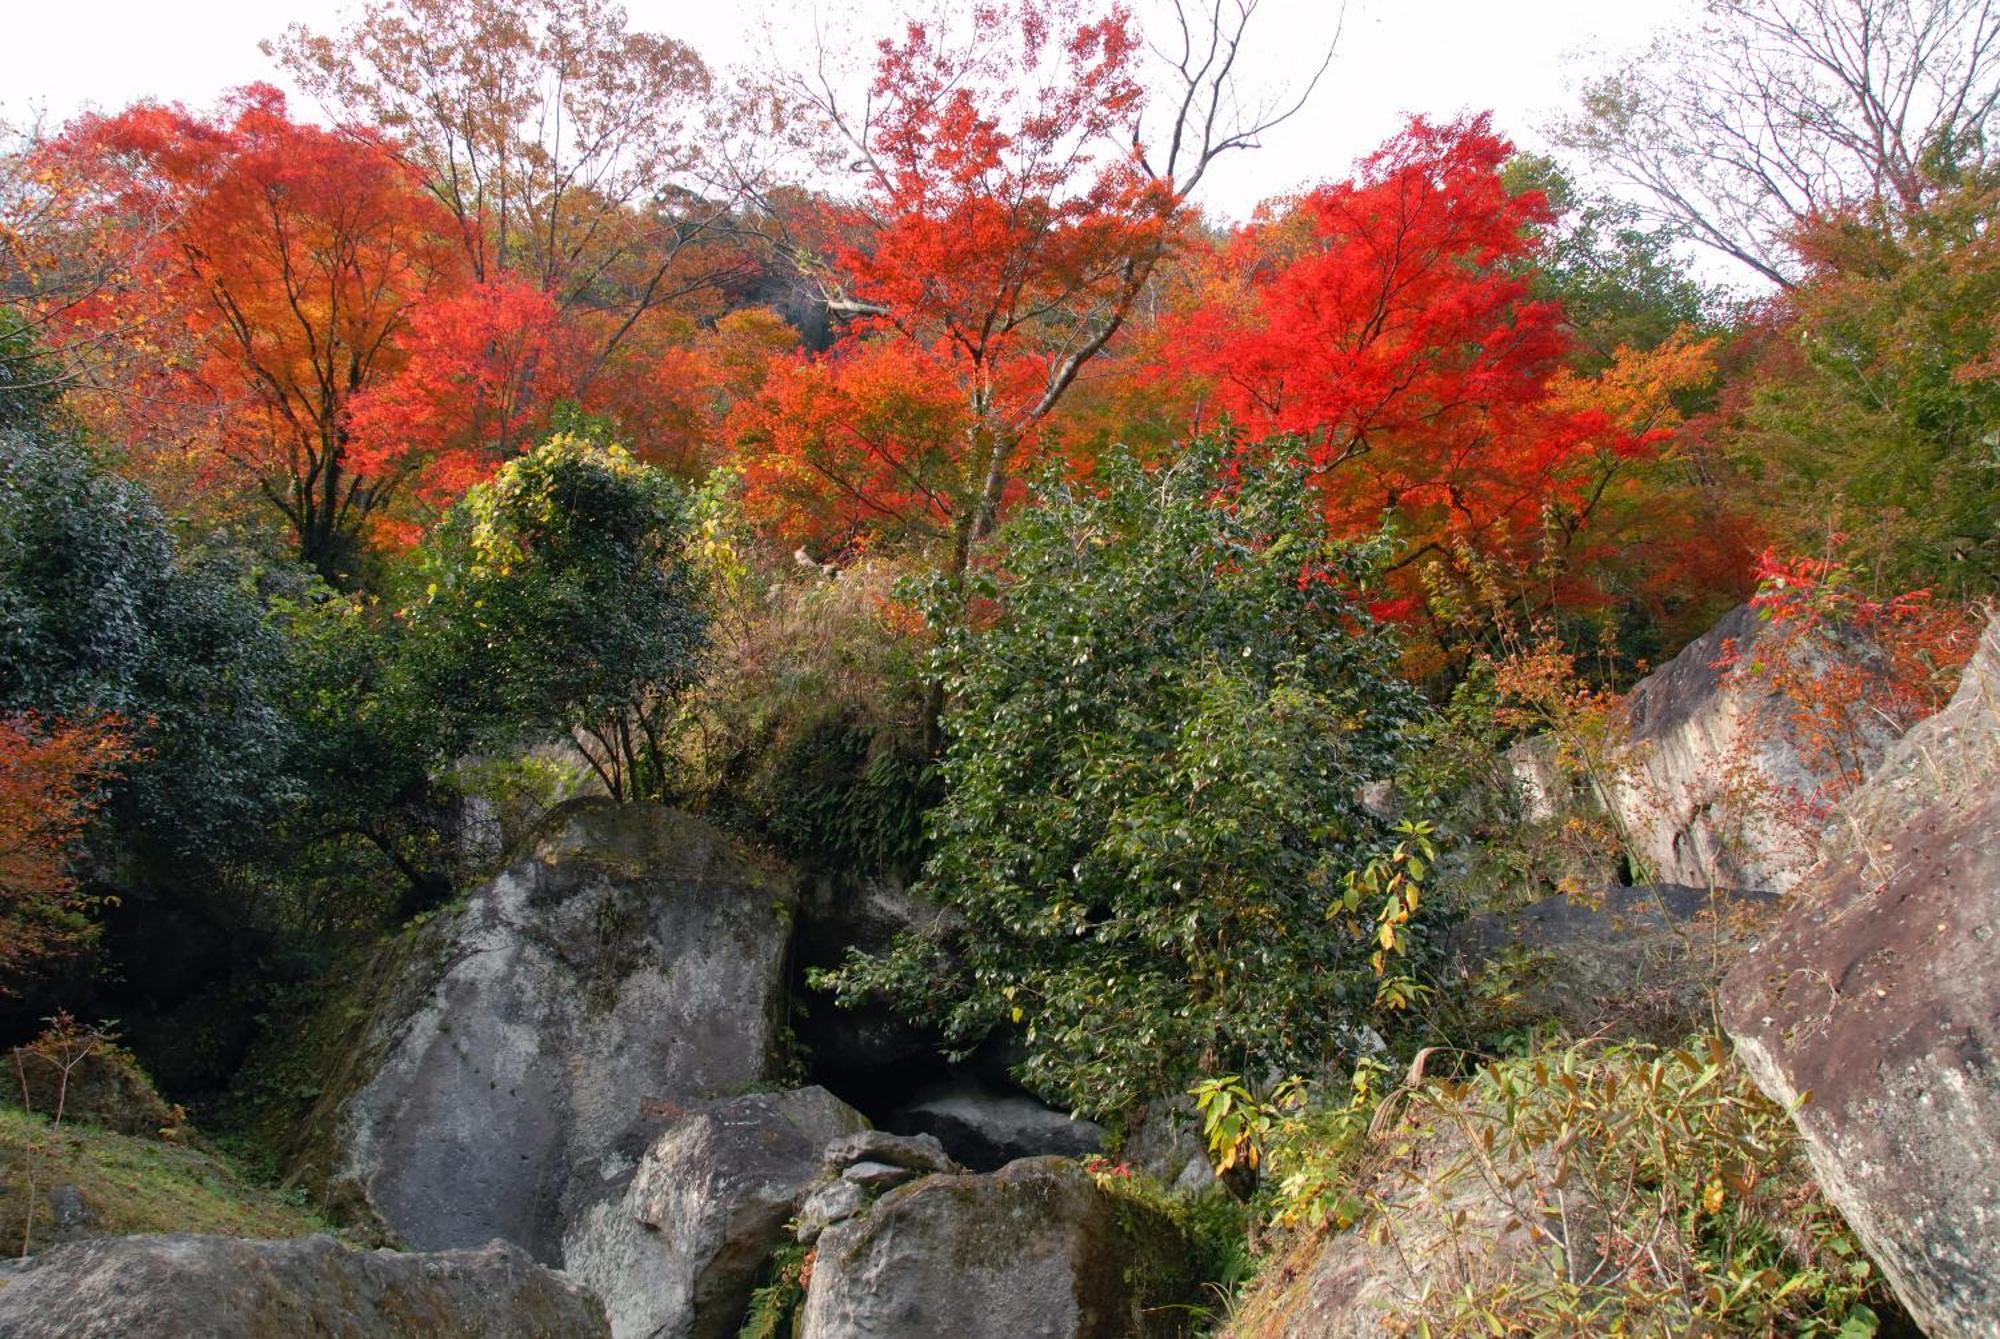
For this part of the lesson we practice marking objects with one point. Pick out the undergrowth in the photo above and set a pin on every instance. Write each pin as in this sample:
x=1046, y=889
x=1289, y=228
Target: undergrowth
x=131, y=1183
x=1665, y=1196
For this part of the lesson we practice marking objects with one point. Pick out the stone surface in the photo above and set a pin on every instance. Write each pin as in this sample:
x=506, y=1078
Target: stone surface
x=69, y=1209
x=918, y=1152
x=1639, y=963
x=1717, y=788
x=876, y=1175
x=986, y=1128
x=1033, y=1251
x=636, y=958
x=1876, y=992
x=829, y=1204
x=1167, y=1146
x=675, y=1247
x=106, y=1087
x=223, y=1288
x=1719, y=772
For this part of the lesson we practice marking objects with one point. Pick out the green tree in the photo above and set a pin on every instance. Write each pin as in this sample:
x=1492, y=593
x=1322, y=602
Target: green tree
x=1153, y=777
x=1873, y=415
x=557, y=597
x=101, y=612
x=1617, y=276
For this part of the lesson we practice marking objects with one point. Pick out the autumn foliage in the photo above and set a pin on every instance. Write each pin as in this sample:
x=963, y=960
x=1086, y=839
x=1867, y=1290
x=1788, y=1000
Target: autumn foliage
x=1387, y=320
x=1390, y=321
x=480, y=369
x=291, y=259
x=52, y=775
x=1844, y=667
x=1012, y=271
x=835, y=451
x=1002, y=229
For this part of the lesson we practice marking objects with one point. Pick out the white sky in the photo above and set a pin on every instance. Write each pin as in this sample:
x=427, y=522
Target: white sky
x=1440, y=57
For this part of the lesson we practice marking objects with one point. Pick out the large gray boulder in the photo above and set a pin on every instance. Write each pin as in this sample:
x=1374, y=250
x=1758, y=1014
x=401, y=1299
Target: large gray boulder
x=674, y=1246
x=635, y=959
x=1034, y=1251
x=1715, y=788
x=167, y=1287
x=1876, y=992
x=986, y=1128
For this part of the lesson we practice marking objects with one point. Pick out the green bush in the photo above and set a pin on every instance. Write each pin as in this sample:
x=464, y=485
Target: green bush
x=1153, y=773
x=556, y=596
x=100, y=611
x=838, y=791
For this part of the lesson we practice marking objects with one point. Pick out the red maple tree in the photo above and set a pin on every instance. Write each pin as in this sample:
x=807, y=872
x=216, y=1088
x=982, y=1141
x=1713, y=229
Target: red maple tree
x=481, y=368
x=287, y=268
x=1007, y=217
x=1387, y=320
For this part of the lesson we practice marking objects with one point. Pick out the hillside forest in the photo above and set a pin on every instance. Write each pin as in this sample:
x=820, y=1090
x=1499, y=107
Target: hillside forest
x=909, y=472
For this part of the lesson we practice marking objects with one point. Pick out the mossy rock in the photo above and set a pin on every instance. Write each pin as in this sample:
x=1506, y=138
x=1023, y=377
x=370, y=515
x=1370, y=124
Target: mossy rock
x=1038, y=1247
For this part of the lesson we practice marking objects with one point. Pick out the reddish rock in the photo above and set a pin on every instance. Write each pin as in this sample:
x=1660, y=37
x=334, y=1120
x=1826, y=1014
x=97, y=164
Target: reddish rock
x=1878, y=993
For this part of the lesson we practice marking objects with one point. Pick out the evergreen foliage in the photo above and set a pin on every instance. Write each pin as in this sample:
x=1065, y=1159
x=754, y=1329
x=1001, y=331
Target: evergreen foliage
x=1153, y=780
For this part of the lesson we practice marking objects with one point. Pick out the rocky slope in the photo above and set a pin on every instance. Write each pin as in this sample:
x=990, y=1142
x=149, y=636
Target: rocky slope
x=1878, y=993
x=580, y=1059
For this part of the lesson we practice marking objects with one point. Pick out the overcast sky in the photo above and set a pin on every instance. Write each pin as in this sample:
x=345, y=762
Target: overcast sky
x=1522, y=61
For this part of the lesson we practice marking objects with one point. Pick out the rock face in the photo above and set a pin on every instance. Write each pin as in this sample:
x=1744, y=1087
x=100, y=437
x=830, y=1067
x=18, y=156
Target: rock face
x=1167, y=1146
x=675, y=1245
x=1876, y=993
x=864, y=1166
x=1033, y=1251
x=853, y=1045
x=223, y=1288
x=1639, y=963
x=1717, y=787
x=636, y=957
x=986, y=1129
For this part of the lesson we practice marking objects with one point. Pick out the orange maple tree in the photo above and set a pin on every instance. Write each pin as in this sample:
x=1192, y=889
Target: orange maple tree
x=1398, y=337
x=835, y=451
x=52, y=777
x=292, y=259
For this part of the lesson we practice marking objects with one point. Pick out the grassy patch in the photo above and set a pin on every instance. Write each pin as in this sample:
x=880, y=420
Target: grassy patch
x=129, y=1183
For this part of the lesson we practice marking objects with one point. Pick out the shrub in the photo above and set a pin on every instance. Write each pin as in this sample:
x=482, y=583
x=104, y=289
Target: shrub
x=557, y=596
x=100, y=614
x=806, y=726
x=1153, y=774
